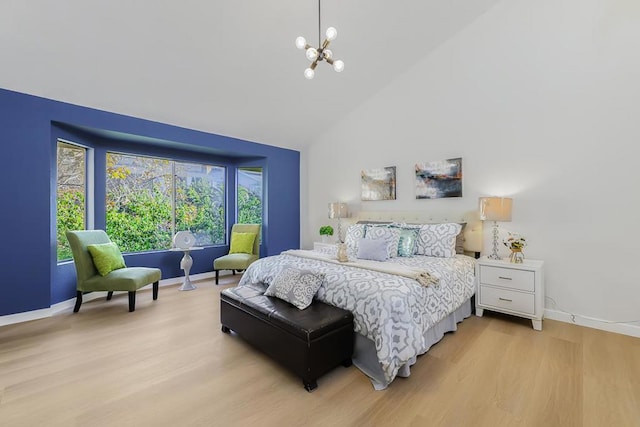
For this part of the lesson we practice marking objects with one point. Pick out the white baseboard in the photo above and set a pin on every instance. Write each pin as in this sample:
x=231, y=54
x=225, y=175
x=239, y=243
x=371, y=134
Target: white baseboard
x=67, y=305
x=591, y=322
x=26, y=316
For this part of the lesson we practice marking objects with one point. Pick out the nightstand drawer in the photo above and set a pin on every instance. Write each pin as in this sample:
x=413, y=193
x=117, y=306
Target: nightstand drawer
x=509, y=300
x=507, y=277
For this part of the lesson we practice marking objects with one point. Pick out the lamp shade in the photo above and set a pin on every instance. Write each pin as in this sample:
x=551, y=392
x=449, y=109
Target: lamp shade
x=338, y=210
x=495, y=208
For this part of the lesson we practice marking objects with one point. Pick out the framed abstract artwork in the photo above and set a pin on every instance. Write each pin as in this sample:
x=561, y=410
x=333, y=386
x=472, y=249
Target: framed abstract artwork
x=379, y=184
x=435, y=180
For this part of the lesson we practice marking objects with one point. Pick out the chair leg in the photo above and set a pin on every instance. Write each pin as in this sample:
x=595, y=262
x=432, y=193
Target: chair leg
x=155, y=290
x=78, y=301
x=109, y=295
x=217, y=276
x=233, y=272
x=132, y=301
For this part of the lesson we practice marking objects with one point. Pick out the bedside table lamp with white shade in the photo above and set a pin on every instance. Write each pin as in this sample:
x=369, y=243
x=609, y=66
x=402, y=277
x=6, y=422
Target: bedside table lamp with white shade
x=495, y=209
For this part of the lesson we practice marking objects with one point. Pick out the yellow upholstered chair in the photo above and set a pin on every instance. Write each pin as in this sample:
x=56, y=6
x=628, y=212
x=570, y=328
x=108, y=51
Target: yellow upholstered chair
x=240, y=260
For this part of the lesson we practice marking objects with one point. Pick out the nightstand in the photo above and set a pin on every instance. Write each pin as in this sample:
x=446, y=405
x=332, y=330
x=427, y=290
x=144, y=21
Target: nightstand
x=516, y=289
x=317, y=246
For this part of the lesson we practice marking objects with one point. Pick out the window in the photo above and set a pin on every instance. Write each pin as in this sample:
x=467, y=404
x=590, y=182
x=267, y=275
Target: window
x=250, y=195
x=71, y=185
x=200, y=202
x=149, y=199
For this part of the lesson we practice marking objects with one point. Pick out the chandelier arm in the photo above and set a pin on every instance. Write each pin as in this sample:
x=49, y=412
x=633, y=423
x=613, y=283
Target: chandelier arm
x=314, y=64
x=329, y=60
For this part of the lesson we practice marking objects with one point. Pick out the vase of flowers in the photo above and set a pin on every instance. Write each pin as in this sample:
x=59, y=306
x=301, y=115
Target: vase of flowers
x=516, y=243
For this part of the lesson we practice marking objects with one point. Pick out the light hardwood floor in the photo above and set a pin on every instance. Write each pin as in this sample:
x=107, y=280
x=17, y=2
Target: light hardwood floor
x=168, y=364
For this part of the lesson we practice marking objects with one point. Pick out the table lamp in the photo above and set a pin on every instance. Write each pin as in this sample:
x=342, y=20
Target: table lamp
x=495, y=209
x=338, y=210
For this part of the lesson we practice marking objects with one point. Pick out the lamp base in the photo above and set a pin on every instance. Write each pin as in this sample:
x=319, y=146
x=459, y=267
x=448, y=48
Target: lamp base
x=494, y=254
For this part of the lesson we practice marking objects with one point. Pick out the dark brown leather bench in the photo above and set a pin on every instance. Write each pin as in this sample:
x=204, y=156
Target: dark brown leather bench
x=309, y=342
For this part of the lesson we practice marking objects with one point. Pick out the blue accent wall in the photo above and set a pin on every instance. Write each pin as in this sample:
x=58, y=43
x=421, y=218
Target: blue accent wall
x=30, y=126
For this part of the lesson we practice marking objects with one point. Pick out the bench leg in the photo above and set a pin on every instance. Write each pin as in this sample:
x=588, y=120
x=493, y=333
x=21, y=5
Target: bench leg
x=347, y=362
x=78, y=301
x=132, y=301
x=310, y=385
x=226, y=330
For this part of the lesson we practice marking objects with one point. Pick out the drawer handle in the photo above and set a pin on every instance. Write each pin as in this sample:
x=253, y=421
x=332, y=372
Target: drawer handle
x=505, y=278
x=504, y=299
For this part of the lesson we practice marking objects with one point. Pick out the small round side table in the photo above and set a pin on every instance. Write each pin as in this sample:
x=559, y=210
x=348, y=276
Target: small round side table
x=185, y=264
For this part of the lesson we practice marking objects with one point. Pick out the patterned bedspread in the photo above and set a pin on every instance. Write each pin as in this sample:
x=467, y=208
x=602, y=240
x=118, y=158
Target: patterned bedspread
x=392, y=311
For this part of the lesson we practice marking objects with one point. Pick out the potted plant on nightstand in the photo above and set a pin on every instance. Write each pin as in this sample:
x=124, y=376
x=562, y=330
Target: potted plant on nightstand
x=326, y=231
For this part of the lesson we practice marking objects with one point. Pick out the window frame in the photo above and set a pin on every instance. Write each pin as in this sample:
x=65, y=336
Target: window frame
x=89, y=185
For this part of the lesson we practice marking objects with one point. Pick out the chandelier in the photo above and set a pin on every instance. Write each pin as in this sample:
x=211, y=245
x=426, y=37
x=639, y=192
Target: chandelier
x=322, y=53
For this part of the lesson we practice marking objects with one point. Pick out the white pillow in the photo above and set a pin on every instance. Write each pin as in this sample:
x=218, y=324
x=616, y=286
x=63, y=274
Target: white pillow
x=438, y=240
x=355, y=232
x=389, y=235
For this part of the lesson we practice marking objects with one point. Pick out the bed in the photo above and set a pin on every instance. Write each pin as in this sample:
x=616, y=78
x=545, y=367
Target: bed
x=397, y=316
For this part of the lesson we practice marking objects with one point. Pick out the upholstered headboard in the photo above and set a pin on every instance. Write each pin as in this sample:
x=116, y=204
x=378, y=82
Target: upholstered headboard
x=472, y=232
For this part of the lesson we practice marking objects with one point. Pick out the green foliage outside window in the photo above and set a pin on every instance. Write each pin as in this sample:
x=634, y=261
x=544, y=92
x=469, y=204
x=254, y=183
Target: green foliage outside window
x=199, y=209
x=70, y=216
x=141, y=224
x=249, y=207
x=249, y=197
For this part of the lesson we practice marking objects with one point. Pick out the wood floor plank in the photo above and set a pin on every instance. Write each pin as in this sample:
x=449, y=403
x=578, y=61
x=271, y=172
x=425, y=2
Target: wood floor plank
x=168, y=363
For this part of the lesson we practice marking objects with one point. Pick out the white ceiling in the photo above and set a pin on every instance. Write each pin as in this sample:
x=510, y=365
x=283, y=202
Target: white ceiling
x=228, y=67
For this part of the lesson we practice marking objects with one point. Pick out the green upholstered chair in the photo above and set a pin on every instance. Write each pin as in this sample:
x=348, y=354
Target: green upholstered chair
x=239, y=262
x=128, y=279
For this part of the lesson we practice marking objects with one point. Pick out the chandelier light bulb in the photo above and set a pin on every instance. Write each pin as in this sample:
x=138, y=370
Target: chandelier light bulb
x=327, y=53
x=312, y=54
x=301, y=42
x=331, y=33
x=309, y=73
x=338, y=66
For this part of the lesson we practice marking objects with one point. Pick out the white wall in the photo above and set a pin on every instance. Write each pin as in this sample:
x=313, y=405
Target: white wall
x=541, y=100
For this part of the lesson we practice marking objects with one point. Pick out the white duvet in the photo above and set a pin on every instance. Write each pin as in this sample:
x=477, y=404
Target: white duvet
x=392, y=311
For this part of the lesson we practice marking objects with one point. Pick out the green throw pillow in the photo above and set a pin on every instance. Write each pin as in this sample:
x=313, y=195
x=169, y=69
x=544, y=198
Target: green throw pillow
x=242, y=243
x=106, y=257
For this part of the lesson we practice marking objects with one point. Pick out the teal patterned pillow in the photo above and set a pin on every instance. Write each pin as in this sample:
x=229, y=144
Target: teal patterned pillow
x=297, y=287
x=408, y=241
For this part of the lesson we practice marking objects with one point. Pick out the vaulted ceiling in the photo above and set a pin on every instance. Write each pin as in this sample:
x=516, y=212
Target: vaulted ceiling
x=223, y=66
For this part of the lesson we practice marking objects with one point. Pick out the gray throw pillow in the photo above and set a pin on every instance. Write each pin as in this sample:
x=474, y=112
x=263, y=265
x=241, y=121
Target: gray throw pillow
x=297, y=287
x=373, y=249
